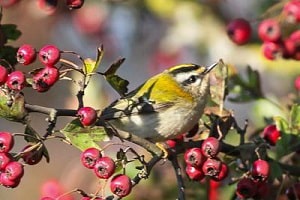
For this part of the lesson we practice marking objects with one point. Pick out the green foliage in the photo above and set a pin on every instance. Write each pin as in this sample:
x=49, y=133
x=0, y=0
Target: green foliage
x=11, y=32
x=290, y=132
x=245, y=89
x=83, y=137
x=12, y=108
x=118, y=83
x=90, y=66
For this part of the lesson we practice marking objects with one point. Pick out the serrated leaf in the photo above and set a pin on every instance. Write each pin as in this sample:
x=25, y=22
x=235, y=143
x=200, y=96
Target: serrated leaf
x=83, y=137
x=12, y=109
x=90, y=65
x=11, y=32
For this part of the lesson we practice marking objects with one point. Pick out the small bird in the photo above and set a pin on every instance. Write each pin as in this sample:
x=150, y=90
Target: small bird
x=165, y=106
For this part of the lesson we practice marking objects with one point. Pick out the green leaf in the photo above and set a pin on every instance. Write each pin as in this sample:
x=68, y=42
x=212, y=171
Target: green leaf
x=12, y=108
x=283, y=145
x=114, y=67
x=31, y=135
x=90, y=65
x=245, y=89
x=11, y=32
x=118, y=83
x=8, y=53
x=295, y=119
x=45, y=153
x=276, y=171
x=83, y=137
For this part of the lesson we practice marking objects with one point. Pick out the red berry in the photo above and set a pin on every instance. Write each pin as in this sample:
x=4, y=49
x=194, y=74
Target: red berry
x=16, y=80
x=32, y=157
x=292, y=45
x=222, y=174
x=272, y=50
x=194, y=157
x=5, y=158
x=173, y=142
x=120, y=185
x=48, y=6
x=291, y=11
x=7, y=182
x=269, y=30
x=45, y=78
x=6, y=142
x=271, y=134
x=210, y=147
x=297, y=83
x=212, y=167
x=87, y=116
x=260, y=170
x=49, y=55
x=246, y=188
x=14, y=170
x=194, y=173
x=3, y=74
x=293, y=192
x=89, y=157
x=26, y=54
x=75, y=4
x=104, y=167
x=239, y=31
x=289, y=48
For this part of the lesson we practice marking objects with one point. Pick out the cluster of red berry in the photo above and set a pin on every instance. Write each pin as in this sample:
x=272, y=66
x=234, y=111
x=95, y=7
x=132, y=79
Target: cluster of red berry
x=43, y=79
x=11, y=171
x=104, y=167
x=201, y=162
x=270, y=31
x=255, y=184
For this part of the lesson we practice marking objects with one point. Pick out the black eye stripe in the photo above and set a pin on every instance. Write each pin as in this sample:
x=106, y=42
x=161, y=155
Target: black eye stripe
x=190, y=80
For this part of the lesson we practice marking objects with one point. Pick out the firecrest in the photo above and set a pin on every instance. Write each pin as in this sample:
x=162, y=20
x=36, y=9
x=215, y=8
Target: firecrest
x=165, y=106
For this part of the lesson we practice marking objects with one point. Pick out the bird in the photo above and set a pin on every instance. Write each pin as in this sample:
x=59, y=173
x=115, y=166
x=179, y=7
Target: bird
x=164, y=106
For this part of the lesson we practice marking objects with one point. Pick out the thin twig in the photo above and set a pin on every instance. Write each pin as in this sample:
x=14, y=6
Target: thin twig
x=180, y=183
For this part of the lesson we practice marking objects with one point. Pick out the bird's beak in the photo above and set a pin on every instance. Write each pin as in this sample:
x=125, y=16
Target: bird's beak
x=209, y=68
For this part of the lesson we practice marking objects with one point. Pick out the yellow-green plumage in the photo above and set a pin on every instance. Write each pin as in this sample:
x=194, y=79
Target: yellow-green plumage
x=165, y=106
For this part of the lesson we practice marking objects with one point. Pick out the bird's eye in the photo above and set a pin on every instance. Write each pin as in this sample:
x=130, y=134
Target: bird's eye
x=192, y=79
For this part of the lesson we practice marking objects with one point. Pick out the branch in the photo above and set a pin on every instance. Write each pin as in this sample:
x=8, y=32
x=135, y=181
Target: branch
x=50, y=111
x=178, y=174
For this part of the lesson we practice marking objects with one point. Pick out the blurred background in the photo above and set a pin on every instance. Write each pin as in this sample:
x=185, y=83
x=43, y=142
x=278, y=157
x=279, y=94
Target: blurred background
x=152, y=35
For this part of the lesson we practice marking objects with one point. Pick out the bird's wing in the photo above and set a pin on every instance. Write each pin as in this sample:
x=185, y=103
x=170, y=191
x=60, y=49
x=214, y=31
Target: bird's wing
x=131, y=106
